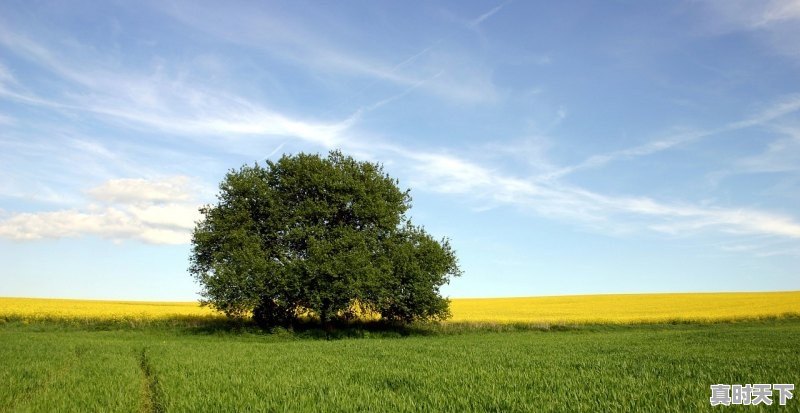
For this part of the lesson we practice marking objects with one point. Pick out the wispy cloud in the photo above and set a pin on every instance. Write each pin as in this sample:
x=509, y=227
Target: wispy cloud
x=449, y=174
x=778, y=11
x=781, y=155
x=483, y=17
x=463, y=79
x=155, y=100
x=5, y=75
x=6, y=120
x=755, y=14
x=774, y=22
x=162, y=102
x=787, y=105
x=761, y=247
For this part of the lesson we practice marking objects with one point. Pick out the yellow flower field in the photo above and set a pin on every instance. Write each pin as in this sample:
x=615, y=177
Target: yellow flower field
x=576, y=309
x=628, y=308
x=49, y=308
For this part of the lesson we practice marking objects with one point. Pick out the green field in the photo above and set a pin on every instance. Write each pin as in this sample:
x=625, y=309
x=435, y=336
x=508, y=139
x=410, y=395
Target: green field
x=55, y=367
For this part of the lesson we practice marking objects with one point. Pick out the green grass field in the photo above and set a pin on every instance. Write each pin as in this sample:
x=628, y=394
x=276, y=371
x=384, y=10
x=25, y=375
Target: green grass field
x=57, y=367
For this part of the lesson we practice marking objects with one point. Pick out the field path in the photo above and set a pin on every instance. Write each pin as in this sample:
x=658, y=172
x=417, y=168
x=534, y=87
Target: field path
x=151, y=392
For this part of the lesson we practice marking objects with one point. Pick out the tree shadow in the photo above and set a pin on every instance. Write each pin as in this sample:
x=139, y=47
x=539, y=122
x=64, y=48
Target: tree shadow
x=313, y=330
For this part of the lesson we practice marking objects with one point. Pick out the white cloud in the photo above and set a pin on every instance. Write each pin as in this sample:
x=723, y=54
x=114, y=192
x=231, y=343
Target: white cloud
x=179, y=216
x=151, y=211
x=448, y=174
x=110, y=222
x=141, y=190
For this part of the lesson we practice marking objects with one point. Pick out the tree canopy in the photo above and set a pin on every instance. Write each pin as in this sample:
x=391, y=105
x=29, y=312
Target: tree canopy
x=321, y=237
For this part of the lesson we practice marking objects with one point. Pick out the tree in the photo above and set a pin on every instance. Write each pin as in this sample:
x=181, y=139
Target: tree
x=322, y=236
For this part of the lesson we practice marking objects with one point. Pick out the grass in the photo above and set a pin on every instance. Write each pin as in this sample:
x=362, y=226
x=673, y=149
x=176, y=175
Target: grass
x=654, y=367
x=64, y=372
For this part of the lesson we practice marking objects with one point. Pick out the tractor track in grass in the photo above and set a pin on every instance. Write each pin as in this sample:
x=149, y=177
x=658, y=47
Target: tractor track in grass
x=152, y=400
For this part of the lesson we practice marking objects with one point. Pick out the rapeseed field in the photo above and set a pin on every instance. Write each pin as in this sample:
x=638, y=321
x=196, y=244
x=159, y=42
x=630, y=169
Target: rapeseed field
x=628, y=308
x=576, y=309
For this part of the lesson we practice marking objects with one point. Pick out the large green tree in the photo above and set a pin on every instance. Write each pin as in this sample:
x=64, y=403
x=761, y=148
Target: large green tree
x=326, y=237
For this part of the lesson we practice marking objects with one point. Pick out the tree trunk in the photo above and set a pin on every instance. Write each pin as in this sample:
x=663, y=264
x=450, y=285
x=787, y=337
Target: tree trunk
x=327, y=325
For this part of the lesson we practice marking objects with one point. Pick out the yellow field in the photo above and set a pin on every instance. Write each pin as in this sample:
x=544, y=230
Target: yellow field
x=612, y=308
x=43, y=308
x=627, y=308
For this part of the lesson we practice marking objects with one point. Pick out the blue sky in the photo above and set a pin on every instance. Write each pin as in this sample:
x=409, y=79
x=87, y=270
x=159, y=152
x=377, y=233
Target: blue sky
x=564, y=147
